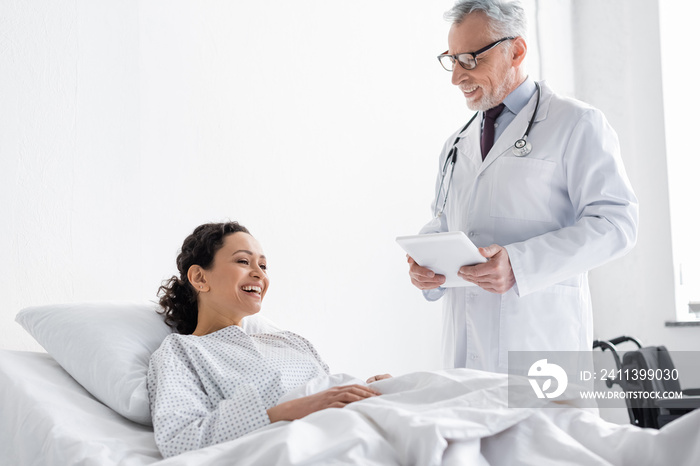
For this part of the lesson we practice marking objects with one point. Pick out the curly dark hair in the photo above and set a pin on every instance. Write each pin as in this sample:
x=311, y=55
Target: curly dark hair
x=178, y=298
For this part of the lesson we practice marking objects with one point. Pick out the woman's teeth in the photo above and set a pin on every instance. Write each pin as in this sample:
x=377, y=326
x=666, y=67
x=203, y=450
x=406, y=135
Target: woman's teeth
x=253, y=289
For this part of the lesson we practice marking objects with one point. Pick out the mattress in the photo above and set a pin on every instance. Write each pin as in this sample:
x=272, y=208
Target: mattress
x=49, y=419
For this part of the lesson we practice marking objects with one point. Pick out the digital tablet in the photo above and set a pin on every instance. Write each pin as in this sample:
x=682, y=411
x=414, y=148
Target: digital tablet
x=443, y=253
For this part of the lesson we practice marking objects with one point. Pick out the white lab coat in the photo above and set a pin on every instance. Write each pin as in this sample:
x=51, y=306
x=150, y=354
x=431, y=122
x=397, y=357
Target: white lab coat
x=562, y=210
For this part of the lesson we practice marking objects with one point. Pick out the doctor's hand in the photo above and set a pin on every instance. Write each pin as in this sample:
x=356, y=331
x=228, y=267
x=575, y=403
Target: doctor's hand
x=495, y=275
x=423, y=278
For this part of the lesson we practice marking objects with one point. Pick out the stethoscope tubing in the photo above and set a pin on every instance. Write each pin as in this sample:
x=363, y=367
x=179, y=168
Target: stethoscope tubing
x=451, y=157
x=521, y=148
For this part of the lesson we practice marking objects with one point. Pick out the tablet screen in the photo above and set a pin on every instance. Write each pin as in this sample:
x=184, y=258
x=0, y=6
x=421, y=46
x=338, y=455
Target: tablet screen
x=443, y=253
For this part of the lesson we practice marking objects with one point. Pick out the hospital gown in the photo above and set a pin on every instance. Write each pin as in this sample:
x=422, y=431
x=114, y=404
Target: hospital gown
x=209, y=389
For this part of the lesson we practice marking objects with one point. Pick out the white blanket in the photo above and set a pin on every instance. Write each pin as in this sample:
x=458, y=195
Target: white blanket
x=449, y=417
x=452, y=418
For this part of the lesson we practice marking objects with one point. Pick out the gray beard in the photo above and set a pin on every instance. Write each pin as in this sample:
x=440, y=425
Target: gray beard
x=499, y=94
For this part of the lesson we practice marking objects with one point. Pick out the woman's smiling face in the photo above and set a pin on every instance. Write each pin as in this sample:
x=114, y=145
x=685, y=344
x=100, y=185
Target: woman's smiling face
x=235, y=284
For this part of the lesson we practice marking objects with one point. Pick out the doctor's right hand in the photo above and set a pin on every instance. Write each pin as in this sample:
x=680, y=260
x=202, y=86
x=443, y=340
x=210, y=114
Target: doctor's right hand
x=423, y=278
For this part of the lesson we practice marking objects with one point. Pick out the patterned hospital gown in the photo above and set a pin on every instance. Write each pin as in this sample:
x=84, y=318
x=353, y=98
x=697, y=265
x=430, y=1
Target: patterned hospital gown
x=208, y=389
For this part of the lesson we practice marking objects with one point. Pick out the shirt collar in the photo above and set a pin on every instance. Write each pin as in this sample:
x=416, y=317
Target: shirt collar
x=516, y=100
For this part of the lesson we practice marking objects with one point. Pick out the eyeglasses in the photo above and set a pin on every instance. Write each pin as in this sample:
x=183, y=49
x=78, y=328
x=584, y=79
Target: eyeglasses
x=468, y=59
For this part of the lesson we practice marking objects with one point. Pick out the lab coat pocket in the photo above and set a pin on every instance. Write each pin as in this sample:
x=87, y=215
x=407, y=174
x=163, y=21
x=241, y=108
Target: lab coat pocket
x=566, y=290
x=522, y=189
x=549, y=320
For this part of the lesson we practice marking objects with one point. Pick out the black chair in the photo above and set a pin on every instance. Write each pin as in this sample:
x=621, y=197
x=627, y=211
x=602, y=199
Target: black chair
x=649, y=411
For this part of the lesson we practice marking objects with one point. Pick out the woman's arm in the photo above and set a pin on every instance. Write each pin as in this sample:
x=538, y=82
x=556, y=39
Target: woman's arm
x=190, y=411
x=184, y=416
x=336, y=397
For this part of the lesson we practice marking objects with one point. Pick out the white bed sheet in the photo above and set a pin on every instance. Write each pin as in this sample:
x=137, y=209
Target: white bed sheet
x=429, y=418
x=48, y=419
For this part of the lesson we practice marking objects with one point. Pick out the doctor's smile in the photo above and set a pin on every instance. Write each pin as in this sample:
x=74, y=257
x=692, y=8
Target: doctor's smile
x=468, y=91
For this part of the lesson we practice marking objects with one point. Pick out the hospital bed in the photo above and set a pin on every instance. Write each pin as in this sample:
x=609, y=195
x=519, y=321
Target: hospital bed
x=84, y=403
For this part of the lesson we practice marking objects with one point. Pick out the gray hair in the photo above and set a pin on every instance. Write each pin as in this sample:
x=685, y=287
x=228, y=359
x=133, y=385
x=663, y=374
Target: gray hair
x=507, y=18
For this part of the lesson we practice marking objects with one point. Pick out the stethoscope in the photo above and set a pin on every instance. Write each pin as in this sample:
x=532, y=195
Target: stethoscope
x=521, y=148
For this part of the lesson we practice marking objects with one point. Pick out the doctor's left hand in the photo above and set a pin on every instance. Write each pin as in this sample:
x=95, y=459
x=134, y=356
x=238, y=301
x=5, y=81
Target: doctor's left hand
x=495, y=275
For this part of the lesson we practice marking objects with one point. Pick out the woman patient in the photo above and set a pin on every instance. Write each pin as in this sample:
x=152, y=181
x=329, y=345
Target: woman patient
x=212, y=382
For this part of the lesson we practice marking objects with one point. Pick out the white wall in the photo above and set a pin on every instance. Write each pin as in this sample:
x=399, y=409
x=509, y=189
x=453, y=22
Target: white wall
x=618, y=69
x=317, y=125
x=677, y=30
x=69, y=156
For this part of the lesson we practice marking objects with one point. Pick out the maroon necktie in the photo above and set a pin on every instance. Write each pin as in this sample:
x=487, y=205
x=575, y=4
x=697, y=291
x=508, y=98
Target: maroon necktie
x=488, y=132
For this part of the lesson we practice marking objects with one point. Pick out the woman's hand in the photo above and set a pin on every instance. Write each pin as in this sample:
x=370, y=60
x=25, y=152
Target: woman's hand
x=336, y=397
x=379, y=377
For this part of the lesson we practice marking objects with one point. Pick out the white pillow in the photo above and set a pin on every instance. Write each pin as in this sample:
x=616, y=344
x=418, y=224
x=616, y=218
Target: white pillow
x=106, y=347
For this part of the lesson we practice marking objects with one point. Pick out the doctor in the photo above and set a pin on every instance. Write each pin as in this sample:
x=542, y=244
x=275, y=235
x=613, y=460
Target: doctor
x=547, y=202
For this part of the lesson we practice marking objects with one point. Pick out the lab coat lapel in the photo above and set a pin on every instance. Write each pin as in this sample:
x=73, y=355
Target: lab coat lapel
x=469, y=146
x=517, y=128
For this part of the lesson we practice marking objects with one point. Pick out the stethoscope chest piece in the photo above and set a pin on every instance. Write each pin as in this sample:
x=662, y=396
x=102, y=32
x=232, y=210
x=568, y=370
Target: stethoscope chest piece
x=521, y=148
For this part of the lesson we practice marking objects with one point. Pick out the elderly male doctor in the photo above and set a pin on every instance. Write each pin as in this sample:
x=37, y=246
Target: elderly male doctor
x=542, y=217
